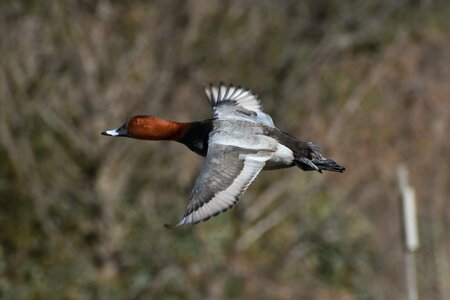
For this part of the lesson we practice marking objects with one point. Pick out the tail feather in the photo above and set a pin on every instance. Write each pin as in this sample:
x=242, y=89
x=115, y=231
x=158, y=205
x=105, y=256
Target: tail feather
x=309, y=158
x=306, y=164
x=328, y=165
x=319, y=165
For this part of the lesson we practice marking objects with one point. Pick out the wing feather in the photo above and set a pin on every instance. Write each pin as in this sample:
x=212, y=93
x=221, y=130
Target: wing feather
x=230, y=101
x=225, y=176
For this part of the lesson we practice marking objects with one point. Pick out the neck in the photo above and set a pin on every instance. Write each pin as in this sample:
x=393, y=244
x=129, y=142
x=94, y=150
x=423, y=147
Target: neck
x=153, y=128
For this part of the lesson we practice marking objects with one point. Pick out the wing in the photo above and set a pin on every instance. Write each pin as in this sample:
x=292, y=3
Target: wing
x=231, y=102
x=225, y=176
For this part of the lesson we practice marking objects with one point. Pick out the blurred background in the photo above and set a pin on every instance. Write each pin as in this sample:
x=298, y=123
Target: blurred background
x=81, y=215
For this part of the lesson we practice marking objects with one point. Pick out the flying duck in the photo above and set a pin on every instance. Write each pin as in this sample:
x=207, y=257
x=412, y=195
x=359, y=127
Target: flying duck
x=238, y=141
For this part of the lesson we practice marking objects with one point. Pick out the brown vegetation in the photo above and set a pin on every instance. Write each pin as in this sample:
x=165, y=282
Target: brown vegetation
x=81, y=215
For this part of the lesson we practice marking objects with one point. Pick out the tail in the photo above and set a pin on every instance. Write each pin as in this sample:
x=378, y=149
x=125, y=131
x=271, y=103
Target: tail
x=314, y=161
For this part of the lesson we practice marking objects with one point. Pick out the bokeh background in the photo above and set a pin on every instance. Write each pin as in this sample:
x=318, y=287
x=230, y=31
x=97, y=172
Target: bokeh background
x=81, y=215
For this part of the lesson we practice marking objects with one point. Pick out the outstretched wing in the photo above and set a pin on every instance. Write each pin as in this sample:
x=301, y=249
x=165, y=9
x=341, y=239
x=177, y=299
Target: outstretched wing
x=231, y=102
x=225, y=176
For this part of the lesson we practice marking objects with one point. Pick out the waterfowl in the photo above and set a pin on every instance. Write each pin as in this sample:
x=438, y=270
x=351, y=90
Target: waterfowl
x=238, y=142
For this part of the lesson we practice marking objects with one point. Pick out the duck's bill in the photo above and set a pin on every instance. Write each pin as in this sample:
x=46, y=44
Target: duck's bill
x=121, y=131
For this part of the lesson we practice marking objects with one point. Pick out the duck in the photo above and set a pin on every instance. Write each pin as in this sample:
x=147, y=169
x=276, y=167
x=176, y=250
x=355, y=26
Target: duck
x=238, y=142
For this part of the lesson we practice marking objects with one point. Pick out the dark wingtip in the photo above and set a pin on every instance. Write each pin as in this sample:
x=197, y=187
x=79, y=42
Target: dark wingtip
x=104, y=133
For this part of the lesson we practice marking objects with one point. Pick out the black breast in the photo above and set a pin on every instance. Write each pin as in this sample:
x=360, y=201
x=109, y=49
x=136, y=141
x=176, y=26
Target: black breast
x=196, y=137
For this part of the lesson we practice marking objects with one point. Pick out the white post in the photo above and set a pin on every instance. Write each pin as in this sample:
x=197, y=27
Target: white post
x=410, y=232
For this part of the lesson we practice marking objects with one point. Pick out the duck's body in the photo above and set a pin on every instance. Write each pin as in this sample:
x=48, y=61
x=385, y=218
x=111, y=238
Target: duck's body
x=238, y=142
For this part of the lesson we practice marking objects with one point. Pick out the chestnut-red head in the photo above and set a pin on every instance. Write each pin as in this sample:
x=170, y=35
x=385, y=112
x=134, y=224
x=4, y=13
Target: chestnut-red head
x=149, y=128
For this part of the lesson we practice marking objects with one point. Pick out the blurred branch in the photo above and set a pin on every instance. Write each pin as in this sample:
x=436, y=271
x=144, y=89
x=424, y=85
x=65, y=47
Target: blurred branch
x=353, y=102
x=276, y=216
x=265, y=200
